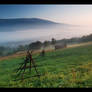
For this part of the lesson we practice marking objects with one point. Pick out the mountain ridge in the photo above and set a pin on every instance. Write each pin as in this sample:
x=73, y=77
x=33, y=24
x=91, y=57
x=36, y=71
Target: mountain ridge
x=28, y=20
x=25, y=23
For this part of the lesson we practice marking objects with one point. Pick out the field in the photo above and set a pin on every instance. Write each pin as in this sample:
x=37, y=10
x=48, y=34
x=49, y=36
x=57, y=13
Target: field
x=70, y=67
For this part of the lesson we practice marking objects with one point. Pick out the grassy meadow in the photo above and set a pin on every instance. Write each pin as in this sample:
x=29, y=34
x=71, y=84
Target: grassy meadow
x=70, y=67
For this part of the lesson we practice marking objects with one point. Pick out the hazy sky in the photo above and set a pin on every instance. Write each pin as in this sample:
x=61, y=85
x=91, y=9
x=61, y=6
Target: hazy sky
x=73, y=14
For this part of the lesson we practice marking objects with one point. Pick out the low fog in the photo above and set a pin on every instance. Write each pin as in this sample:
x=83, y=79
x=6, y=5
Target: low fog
x=45, y=34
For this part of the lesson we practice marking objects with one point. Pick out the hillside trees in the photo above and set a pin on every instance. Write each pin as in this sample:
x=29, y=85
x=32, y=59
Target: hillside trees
x=35, y=45
x=53, y=42
x=46, y=43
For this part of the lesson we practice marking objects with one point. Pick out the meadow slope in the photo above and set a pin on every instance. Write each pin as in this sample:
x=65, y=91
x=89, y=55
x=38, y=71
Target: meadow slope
x=70, y=67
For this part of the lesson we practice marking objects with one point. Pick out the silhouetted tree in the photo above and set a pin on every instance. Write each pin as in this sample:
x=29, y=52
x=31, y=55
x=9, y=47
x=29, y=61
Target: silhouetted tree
x=35, y=45
x=53, y=41
x=43, y=53
x=46, y=43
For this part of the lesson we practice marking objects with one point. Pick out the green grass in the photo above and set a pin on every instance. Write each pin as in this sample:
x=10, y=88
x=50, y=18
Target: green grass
x=71, y=67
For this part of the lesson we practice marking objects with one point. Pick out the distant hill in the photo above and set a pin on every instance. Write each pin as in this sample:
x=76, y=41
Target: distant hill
x=82, y=39
x=26, y=23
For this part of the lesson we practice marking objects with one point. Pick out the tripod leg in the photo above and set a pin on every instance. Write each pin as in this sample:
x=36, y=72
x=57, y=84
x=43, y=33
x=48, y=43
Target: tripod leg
x=35, y=67
x=20, y=68
x=24, y=71
x=30, y=66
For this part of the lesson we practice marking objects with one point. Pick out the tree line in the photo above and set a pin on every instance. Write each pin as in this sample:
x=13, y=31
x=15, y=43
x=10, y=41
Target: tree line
x=4, y=51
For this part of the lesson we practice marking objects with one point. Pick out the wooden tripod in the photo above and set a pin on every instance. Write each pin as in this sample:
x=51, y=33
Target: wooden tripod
x=23, y=66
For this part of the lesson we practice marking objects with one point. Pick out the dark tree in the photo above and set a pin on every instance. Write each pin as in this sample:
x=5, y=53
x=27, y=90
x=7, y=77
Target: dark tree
x=2, y=48
x=53, y=41
x=35, y=45
x=46, y=43
x=43, y=53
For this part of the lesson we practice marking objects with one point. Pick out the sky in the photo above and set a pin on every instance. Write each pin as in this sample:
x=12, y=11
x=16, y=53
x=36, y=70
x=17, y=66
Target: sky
x=71, y=14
